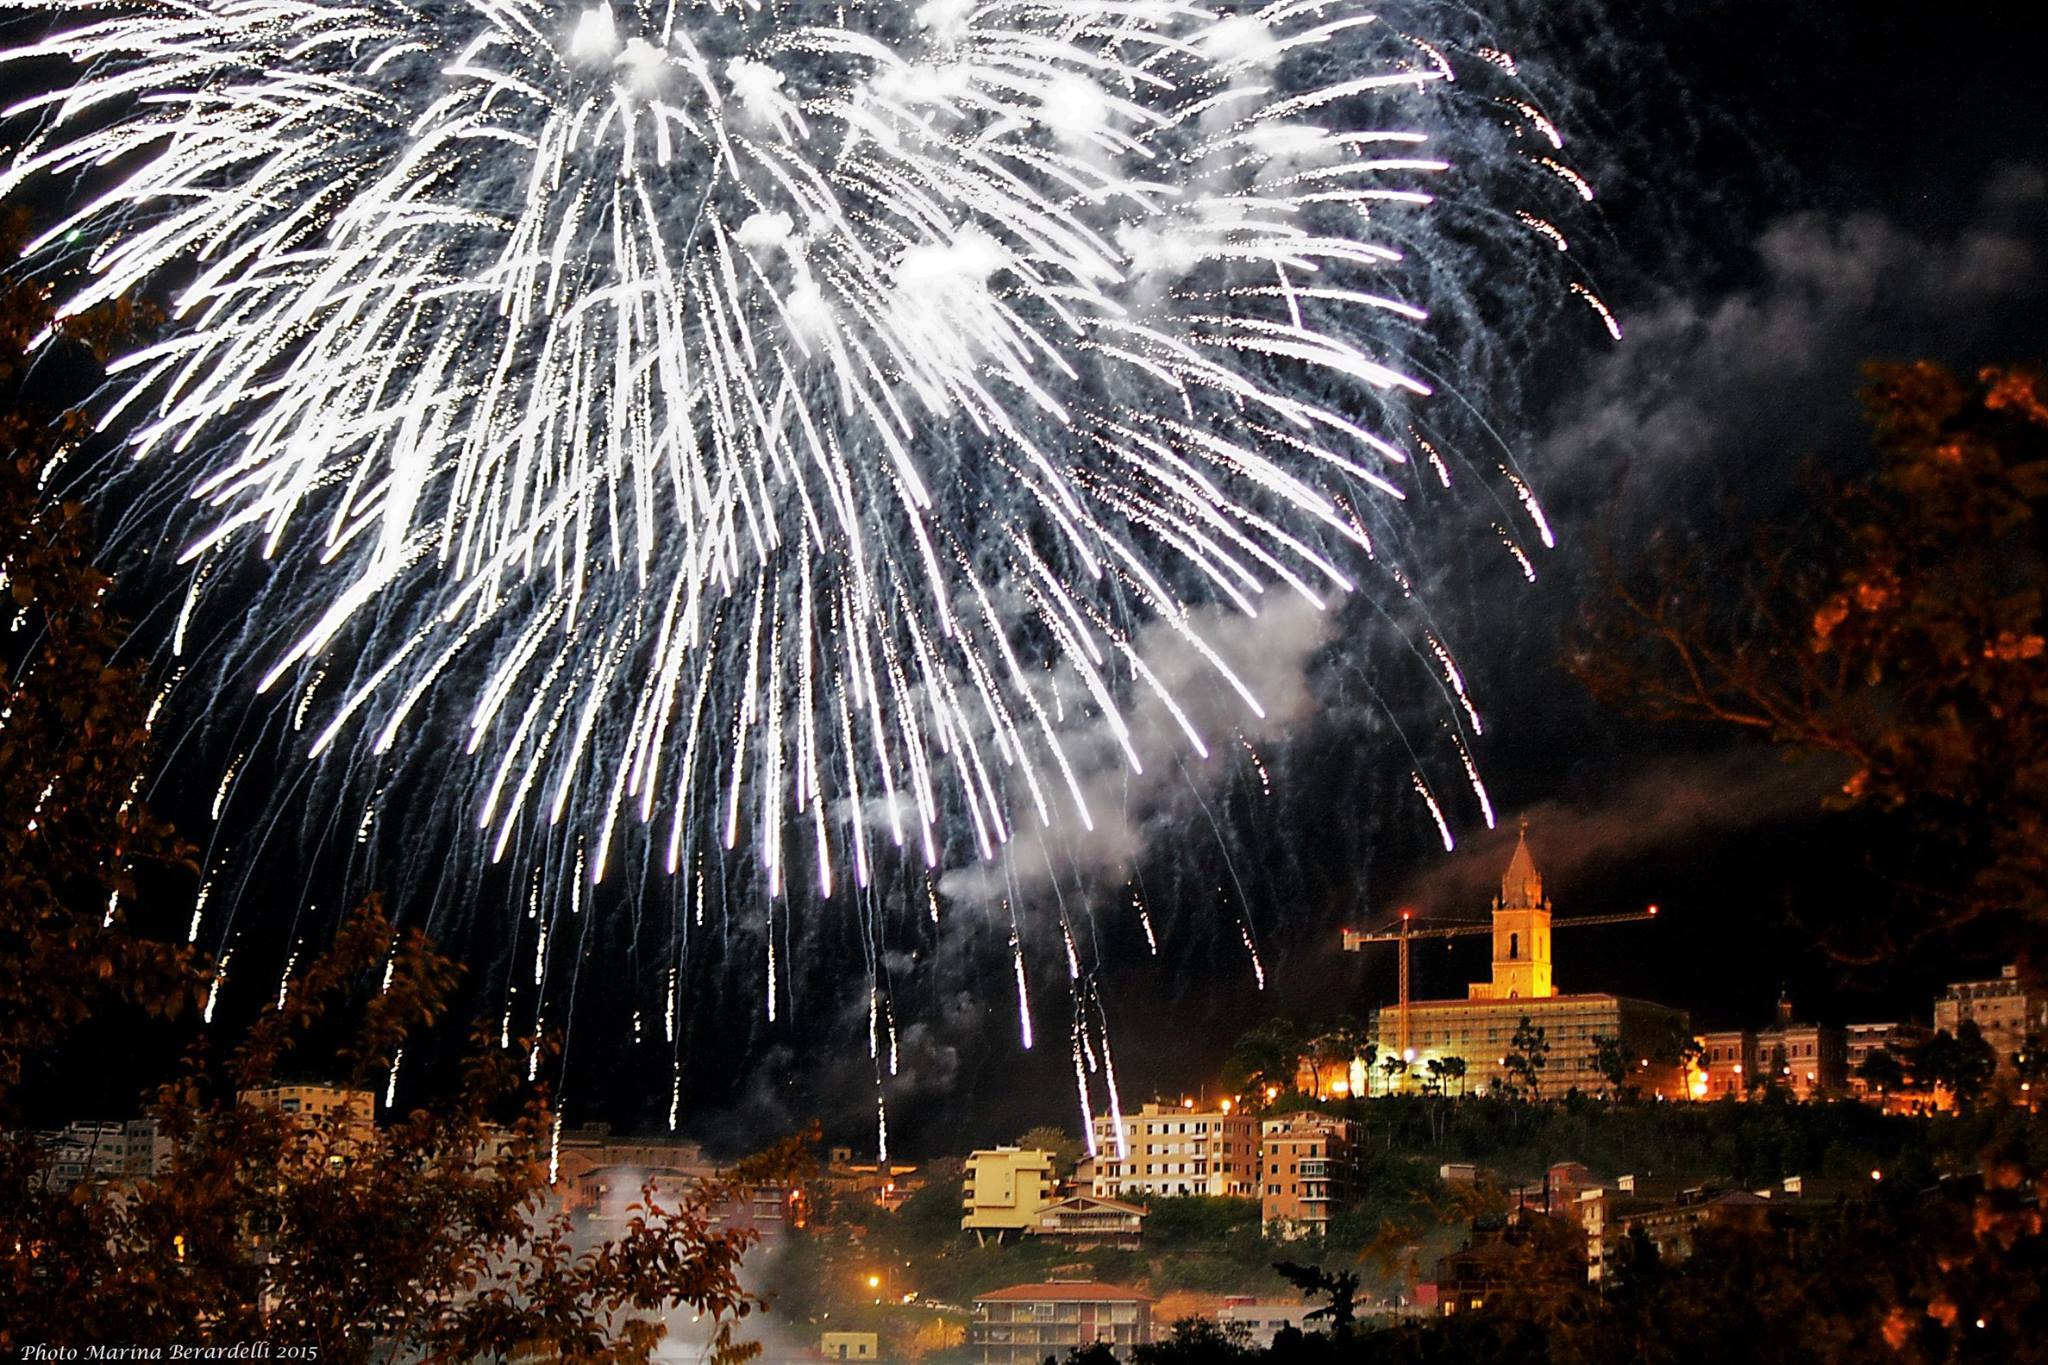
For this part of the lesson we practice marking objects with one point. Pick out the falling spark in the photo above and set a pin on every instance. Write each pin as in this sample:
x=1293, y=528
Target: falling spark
x=1545, y=227
x=1258, y=765
x=1023, y=992
x=220, y=979
x=227, y=782
x=391, y=1085
x=1436, y=812
x=1580, y=185
x=1244, y=931
x=1593, y=301
x=1532, y=506
x=1528, y=572
x=199, y=910
x=284, y=981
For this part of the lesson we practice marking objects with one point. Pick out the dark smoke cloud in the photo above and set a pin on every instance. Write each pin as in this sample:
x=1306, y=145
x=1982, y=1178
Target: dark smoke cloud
x=1759, y=375
x=1670, y=804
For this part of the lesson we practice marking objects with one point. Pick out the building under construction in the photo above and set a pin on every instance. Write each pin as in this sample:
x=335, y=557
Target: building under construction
x=1481, y=1027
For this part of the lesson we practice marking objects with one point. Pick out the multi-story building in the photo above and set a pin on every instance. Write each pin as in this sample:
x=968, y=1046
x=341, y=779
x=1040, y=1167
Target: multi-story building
x=600, y=1173
x=1728, y=1059
x=2004, y=1010
x=355, y=1109
x=1806, y=1061
x=1863, y=1041
x=1005, y=1190
x=1027, y=1323
x=1307, y=1169
x=132, y=1150
x=1810, y=1060
x=1480, y=1029
x=1175, y=1150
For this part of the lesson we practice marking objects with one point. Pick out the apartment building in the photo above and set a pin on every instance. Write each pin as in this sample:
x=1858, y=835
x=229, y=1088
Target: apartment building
x=1307, y=1170
x=1175, y=1150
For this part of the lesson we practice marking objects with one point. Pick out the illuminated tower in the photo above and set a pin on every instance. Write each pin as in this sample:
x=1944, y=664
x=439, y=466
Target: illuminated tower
x=1521, y=932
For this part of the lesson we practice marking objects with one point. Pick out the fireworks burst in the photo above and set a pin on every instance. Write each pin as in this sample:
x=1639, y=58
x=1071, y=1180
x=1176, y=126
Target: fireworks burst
x=766, y=422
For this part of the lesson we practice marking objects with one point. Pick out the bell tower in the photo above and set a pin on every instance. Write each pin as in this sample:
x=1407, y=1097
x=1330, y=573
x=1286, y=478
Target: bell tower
x=1521, y=932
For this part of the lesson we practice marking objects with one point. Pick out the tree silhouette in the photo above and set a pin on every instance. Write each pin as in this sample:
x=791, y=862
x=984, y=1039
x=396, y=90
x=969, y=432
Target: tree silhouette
x=1904, y=642
x=1528, y=1055
x=430, y=1235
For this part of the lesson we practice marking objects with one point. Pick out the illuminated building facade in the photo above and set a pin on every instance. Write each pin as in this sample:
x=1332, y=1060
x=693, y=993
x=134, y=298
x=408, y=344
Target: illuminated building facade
x=1805, y=1061
x=1481, y=1028
x=2003, y=1009
x=1169, y=1150
x=1026, y=1324
x=1308, y=1167
x=1006, y=1189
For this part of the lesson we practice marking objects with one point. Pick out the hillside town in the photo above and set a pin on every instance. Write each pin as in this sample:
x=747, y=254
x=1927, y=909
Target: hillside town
x=1311, y=1153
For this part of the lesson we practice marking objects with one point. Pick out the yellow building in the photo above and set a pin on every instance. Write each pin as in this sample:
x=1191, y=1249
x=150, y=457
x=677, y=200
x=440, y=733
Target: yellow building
x=1006, y=1189
x=355, y=1110
x=1480, y=1028
x=850, y=1346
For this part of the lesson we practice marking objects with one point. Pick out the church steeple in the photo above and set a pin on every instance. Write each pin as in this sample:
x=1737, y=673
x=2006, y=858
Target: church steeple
x=1521, y=932
x=1521, y=886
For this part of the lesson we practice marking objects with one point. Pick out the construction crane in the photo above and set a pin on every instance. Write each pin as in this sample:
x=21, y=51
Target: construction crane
x=1355, y=942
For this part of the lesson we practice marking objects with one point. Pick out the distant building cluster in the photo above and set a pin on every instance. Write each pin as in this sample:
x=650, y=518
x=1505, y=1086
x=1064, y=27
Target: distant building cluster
x=1515, y=1033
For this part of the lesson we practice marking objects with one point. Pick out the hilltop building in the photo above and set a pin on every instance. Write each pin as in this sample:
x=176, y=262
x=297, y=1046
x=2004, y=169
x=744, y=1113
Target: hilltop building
x=1006, y=1190
x=1175, y=1150
x=1481, y=1028
x=2003, y=1009
x=1307, y=1171
x=1806, y=1061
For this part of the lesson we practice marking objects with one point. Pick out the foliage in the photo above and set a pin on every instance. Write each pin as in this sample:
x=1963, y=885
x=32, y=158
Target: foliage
x=1192, y=1219
x=1949, y=1273
x=427, y=1234
x=1882, y=1071
x=1266, y=1059
x=1337, y=1288
x=1330, y=1053
x=1962, y=1064
x=1611, y=1060
x=1197, y=1341
x=74, y=837
x=1066, y=1149
x=1904, y=642
x=1528, y=1055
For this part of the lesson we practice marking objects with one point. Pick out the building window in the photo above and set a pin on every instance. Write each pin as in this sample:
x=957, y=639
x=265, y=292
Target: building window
x=1514, y=946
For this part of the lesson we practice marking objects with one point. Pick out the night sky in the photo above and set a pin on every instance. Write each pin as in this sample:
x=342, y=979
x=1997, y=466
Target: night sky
x=1787, y=190
x=1792, y=190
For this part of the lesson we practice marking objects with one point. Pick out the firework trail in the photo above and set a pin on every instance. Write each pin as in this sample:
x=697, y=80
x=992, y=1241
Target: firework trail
x=769, y=423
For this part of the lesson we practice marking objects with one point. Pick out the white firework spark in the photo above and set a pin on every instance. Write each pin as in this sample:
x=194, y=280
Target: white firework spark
x=731, y=397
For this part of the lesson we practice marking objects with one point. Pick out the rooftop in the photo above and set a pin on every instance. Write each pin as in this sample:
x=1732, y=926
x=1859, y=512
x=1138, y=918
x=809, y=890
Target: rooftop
x=1064, y=1293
